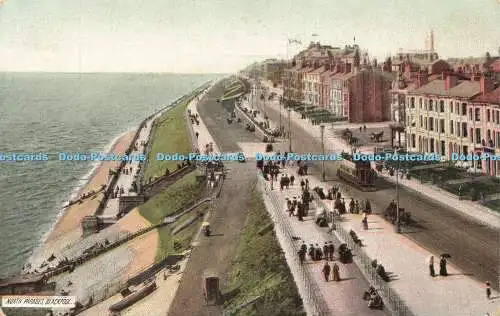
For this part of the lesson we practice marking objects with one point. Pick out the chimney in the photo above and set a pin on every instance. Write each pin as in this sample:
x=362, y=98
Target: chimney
x=487, y=84
x=451, y=80
x=422, y=78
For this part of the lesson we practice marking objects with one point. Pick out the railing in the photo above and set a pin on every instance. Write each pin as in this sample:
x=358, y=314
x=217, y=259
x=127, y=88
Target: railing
x=394, y=302
x=314, y=302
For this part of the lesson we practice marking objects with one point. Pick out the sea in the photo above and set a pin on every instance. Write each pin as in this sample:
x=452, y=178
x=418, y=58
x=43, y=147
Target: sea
x=65, y=112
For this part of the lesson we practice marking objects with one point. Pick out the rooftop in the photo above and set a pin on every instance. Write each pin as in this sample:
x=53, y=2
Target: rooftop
x=490, y=97
x=464, y=89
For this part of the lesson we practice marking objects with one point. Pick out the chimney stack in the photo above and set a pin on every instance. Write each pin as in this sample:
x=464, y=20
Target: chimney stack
x=487, y=84
x=422, y=78
x=450, y=81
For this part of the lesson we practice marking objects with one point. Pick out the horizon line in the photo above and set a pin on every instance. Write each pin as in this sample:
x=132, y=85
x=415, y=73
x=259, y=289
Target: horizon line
x=116, y=72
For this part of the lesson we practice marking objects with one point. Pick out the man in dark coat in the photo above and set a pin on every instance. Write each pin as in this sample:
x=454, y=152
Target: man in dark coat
x=442, y=267
x=326, y=271
x=326, y=250
x=331, y=250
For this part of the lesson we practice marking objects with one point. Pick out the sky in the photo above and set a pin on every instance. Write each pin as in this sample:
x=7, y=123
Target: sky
x=214, y=36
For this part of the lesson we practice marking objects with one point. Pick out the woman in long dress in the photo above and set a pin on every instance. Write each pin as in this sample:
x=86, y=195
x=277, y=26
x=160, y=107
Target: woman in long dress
x=336, y=274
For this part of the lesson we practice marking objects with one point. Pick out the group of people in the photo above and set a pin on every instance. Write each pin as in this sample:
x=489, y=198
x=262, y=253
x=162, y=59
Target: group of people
x=355, y=207
x=443, y=271
x=317, y=253
x=286, y=181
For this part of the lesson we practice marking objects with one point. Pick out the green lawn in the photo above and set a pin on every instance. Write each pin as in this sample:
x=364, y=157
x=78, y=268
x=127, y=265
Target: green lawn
x=259, y=268
x=174, y=198
x=182, y=238
x=171, y=136
x=178, y=196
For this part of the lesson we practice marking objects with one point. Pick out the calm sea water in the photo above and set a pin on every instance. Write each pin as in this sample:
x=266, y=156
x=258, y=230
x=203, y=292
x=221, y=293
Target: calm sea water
x=64, y=112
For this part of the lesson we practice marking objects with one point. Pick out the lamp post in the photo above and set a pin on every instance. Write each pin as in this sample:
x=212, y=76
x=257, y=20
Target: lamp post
x=323, y=175
x=289, y=131
x=398, y=219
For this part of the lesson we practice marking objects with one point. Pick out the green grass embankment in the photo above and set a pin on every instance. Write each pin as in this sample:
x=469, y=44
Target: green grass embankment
x=176, y=197
x=171, y=136
x=259, y=268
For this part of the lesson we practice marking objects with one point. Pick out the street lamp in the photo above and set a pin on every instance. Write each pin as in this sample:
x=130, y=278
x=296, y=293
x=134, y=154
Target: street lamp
x=398, y=219
x=289, y=131
x=323, y=175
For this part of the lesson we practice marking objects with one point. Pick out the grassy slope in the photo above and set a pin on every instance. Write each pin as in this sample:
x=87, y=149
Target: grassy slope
x=176, y=197
x=171, y=137
x=260, y=268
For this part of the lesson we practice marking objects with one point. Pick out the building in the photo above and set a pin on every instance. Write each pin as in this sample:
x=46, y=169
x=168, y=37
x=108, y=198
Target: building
x=450, y=115
x=410, y=69
x=485, y=113
x=272, y=70
x=300, y=88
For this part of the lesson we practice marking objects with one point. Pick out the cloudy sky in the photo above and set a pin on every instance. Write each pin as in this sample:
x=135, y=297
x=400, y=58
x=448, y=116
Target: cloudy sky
x=193, y=36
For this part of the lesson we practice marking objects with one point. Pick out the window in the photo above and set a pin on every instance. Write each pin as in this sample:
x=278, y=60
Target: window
x=498, y=117
x=458, y=129
x=412, y=102
x=457, y=108
x=441, y=123
x=431, y=124
x=478, y=136
x=472, y=135
x=478, y=114
x=421, y=121
x=470, y=114
x=464, y=108
x=413, y=140
x=430, y=105
x=451, y=127
x=420, y=103
x=488, y=116
x=451, y=107
x=441, y=106
x=443, y=148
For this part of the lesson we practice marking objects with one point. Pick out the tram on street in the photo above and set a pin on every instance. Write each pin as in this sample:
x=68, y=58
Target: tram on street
x=358, y=173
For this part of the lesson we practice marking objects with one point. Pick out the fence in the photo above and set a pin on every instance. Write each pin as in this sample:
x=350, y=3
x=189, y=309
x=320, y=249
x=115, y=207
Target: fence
x=395, y=303
x=313, y=300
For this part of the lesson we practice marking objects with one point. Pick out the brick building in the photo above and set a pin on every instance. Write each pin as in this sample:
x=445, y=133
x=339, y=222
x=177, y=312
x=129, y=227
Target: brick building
x=450, y=115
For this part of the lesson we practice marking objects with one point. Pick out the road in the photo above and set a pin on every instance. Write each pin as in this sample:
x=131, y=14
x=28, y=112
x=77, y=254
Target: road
x=475, y=248
x=227, y=220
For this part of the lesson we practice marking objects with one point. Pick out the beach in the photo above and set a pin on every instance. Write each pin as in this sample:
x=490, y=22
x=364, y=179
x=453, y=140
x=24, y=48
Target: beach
x=67, y=229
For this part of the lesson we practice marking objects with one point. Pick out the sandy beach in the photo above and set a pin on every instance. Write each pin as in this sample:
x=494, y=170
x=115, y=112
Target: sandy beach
x=71, y=219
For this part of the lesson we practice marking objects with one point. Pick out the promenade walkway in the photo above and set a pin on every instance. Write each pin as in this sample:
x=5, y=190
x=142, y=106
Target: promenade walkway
x=125, y=180
x=468, y=208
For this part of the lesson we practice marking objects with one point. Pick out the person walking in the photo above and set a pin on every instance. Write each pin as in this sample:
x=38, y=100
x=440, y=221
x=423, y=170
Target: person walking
x=331, y=250
x=292, y=179
x=430, y=261
x=442, y=267
x=326, y=271
x=302, y=256
x=336, y=272
x=488, y=290
x=326, y=251
x=365, y=221
x=197, y=135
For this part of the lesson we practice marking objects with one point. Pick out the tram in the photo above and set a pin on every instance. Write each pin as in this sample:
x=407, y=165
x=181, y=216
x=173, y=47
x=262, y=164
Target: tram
x=359, y=173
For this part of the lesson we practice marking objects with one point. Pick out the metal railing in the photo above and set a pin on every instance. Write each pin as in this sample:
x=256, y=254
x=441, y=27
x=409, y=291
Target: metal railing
x=314, y=302
x=395, y=303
